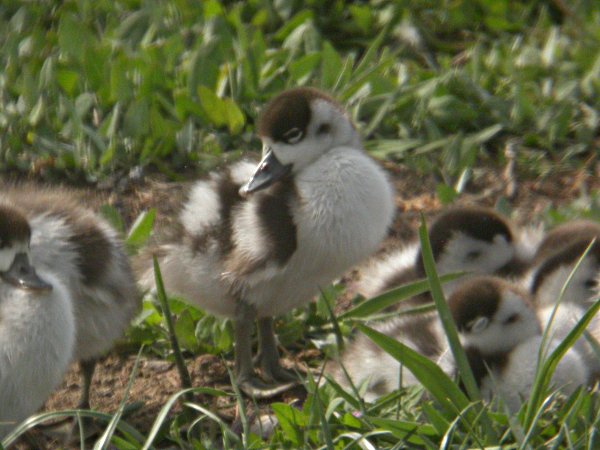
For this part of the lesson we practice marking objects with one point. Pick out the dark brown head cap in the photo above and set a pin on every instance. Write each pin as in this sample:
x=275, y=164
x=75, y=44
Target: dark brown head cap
x=289, y=111
x=565, y=257
x=483, y=224
x=14, y=227
x=565, y=234
x=477, y=297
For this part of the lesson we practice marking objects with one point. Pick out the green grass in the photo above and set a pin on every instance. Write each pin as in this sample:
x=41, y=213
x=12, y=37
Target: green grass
x=93, y=89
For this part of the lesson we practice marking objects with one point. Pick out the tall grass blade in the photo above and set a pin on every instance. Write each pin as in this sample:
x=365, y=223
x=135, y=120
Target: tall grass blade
x=446, y=316
x=440, y=386
x=184, y=375
x=31, y=422
x=105, y=439
x=546, y=367
x=164, y=411
x=447, y=321
x=391, y=297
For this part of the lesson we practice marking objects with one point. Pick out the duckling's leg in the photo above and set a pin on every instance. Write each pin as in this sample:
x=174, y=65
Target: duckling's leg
x=247, y=380
x=87, y=368
x=268, y=355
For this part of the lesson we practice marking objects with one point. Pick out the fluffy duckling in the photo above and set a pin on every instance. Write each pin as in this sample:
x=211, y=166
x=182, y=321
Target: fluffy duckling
x=374, y=372
x=565, y=234
x=257, y=241
x=463, y=239
x=424, y=334
x=471, y=239
x=86, y=254
x=501, y=334
x=560, y=324
x=37, y=329
x=549, y=277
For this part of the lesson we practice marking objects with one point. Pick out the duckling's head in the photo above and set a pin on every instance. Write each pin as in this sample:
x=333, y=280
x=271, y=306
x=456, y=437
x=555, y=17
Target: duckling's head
x=470, y=239
x=297, y=127
x=565, y=234
x=15, y=235
x=492, y=315
x=552, y=274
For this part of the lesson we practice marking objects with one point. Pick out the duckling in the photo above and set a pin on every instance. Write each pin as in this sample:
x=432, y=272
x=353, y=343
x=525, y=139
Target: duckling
x=562, y=321
x=466, y=238
x=37, y=329
x=501, y=334
x=463, y=239
x=374, y=372
x=565, y=234
x=86, y=254
x=257, y=241
x=548, y=278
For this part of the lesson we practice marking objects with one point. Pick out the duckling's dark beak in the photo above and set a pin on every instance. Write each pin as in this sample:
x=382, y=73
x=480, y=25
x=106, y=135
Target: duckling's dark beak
x=268, y=172
x=21, y=274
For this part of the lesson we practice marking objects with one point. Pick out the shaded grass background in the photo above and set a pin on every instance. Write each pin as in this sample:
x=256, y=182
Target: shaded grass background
x=93, y=87
x=96, y=91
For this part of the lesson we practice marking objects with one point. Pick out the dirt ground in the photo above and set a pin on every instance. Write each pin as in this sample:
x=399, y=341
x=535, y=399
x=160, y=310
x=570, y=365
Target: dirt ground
x=157, y=380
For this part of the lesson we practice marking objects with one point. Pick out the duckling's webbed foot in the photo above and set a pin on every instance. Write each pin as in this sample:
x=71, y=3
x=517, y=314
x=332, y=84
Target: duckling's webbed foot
x=256, y=388
x=268, y=355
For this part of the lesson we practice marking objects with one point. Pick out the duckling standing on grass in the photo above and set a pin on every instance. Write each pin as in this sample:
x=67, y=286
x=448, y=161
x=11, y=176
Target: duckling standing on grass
x=258, y=241
x=501, y=335
x=37, y=329
x=87, y=256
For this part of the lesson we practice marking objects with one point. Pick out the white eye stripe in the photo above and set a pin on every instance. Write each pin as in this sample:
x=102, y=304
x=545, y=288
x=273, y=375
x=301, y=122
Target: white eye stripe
x=478, y=325
x=293, y=135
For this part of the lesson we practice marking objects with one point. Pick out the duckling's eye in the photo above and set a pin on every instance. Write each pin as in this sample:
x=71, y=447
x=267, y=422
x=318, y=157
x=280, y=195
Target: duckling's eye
x=473, y=255
x=323, y=128
x=293, y=135
x=590, y=284
x=478, y=324
x=511, y=319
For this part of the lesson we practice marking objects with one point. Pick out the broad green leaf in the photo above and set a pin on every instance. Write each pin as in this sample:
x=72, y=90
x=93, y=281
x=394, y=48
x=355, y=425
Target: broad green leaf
x=213, y=106
x=303, y=68
x=363, y=17
x=185, y=330
x=111, y=214
x=137, y=119
x=121, y=88
x=331, y=66
x=446, y=193
x=290, y=25
x=141, y=229
x=235, y=117
x=67, y=79
x=291, y=422
x=74, y=38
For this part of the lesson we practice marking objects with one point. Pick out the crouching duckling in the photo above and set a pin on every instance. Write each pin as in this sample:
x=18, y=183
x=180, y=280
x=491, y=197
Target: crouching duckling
x=501, y=334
